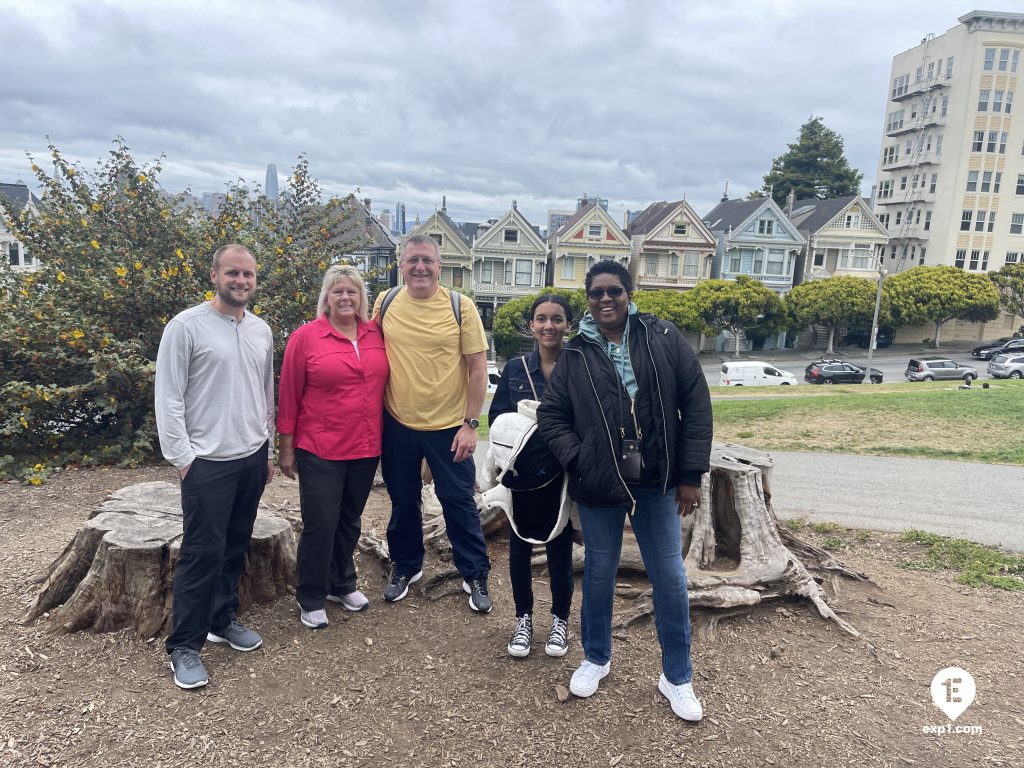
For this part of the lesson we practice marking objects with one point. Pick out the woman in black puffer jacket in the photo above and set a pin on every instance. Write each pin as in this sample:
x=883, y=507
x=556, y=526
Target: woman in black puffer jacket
x=628, y=415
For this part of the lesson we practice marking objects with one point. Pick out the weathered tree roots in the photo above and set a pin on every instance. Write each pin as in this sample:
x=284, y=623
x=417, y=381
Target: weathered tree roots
x=118, y=570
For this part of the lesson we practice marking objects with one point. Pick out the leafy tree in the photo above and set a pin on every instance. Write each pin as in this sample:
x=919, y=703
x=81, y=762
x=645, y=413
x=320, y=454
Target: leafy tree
x=814, y=167
x=937, y=294
x=835, y=302
x=737, y=306
x=511, y=327
x=1009, y=281
x=119, y=257
x=674, y=306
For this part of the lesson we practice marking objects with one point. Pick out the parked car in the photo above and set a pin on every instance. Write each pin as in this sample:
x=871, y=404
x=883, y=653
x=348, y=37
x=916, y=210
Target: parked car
x=753, y=373
x=493, y=377
x=986, y=350
x=1013, y=346
x=932, y=368
x=1006, y=367
x=861, y=337
x=838, y=372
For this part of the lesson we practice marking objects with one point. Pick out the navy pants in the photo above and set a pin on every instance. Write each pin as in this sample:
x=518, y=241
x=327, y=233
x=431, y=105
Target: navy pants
x=218, y=508
x=332, y=495
x=402, y=452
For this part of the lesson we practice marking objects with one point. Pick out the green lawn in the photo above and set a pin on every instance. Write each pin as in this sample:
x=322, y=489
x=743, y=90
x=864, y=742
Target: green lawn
x=934, y=420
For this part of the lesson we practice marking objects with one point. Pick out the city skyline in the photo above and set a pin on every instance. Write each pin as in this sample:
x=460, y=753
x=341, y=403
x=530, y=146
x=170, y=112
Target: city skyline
x=537, y=104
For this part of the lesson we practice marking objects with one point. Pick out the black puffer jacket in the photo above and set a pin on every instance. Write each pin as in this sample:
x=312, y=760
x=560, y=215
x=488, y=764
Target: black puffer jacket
x=580, y=415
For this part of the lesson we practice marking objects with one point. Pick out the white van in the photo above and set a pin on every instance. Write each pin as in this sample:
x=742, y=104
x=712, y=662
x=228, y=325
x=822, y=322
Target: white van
x=753, y=373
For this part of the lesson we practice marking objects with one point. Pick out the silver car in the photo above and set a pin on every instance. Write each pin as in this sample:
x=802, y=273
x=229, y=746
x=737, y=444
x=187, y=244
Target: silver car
x=933, y=368
x=1007, y=367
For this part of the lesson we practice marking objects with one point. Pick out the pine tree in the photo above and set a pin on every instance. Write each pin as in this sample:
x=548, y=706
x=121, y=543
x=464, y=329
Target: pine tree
x=814, y=167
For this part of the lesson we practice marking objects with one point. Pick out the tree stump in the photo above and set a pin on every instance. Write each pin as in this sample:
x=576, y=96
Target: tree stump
x=118, y=571
x=735, y=552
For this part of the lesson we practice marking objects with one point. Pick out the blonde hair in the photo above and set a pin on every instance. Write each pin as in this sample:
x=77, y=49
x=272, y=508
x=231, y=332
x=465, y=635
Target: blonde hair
x=333, y=274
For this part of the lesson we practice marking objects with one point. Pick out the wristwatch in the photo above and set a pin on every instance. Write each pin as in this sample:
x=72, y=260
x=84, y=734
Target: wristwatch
x=474, y=423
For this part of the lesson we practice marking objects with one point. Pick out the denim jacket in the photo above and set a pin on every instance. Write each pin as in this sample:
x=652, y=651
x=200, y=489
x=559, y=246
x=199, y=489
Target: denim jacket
x=515, y=385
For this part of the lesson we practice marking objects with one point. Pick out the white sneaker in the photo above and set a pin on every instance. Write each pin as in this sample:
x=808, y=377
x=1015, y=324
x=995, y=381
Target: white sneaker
x=682, y=698
x=587, y=678
x=313, y=619
x=353, y=601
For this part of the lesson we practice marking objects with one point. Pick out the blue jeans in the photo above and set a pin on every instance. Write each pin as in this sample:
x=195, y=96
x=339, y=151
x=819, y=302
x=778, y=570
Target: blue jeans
x=657, y=528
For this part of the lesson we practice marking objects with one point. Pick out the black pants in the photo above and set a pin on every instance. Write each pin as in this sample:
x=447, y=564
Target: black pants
x=218, y=509
x=332, y=495
x=559, y=551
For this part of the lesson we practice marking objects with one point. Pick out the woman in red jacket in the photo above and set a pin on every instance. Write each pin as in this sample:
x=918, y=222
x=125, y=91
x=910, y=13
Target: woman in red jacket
x=329, y=420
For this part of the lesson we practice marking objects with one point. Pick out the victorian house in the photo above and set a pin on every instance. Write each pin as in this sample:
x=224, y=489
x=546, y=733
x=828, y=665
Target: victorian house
x=671, y=248
x=590, y=235
x=843, y=238
x=509, y=261
x=19, y=198
x=456, y=253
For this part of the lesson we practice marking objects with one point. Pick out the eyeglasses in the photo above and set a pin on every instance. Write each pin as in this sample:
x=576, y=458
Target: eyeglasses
x=596, y=294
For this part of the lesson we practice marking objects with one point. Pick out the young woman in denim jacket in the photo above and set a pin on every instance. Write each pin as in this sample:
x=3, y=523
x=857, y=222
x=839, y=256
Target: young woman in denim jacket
x=549, y=318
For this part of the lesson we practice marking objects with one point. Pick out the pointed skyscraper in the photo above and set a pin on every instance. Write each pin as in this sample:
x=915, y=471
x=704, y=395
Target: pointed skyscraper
x=270, y=188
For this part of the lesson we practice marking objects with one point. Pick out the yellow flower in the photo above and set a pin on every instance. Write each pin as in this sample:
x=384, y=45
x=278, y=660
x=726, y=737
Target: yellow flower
x=257, y=309
x=85, y=222
x=142, y=178
x=105, y=342
x=208, y=295
x=38, y=468
x=77, y=333
x=163, y=319
x=280, y=251
x=165, y=214
x=24, y=424
x=179, y=254
x=36, y=481
x=188, y=269
x=288, y=239
x=119, y=270
x=94, y=243
x=61, y=277
x=173, y=271
x=137, y=265
x=97, y=207
x=322, y=265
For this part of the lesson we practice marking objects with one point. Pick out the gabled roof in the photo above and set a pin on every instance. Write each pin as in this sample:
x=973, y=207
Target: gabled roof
x=18, y=195
x=455, y=234
x=581, y=212
x=818, y=213
x=732, y=213
x=613, y=232
x=513, y=217
x=649, y=218
x=441, y=215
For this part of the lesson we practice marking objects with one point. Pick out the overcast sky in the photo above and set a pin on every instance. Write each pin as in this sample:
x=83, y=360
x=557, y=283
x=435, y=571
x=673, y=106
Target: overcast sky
x=481, y=101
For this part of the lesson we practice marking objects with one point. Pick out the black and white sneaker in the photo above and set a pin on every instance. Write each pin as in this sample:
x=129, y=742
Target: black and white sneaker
x=479, y=600
x=522, y=638
x=398, y=587
x=558, y=640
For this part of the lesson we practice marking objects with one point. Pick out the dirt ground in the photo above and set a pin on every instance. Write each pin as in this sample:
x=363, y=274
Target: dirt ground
x=428, y=683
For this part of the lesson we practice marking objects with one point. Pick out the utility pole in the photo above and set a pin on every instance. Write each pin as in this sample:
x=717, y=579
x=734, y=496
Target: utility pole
x=874, y=321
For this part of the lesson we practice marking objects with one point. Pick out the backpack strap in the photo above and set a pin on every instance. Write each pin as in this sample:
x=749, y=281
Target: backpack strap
x=529, y=378
x=456, y=299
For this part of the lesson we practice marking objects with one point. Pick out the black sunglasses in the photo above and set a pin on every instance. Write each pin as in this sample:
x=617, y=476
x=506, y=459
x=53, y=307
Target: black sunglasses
x=598, y=293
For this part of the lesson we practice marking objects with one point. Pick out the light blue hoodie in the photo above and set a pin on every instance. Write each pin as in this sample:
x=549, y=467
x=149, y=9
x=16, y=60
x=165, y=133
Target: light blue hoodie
x=617, y=353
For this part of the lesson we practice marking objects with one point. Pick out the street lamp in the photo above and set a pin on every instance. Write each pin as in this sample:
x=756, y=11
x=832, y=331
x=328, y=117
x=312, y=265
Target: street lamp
x=874, y=321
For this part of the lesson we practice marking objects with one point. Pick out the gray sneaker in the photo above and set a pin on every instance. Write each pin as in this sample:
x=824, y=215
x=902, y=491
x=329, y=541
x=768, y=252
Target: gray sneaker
x=353, y=601
x=237, y=636
x=479, y=600
x=313, y=619
x=189, y=671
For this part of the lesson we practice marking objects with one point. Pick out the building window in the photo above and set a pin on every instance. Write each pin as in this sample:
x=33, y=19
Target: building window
x=997, y=100
x=860, y=258
x=819, y=259
x=13, y=251
x=934, y=183
x=899, y=218
x=986, y=181
x=891, y=154
x=439, y=238
x=853, y=221
x=983, y=100
x=511, y=235
x=993, y=139
x=945, y=106
x=538, y=272
x=938, y=145
x=651, y=267
x=1009, y=102
x=691, y=261
x=508, y=272
x=1002, y=143
x=984, y=261
x=972, y=181
x=1016, y=223
x=1011, y=257
x=1020, y=183
x=679, y=230
x=975, y=255
x=990, y=59
x=965, y=221
x=979, y=222
x=885, y=190
x=673, y=265
x=735, y=262
x=765, y=227
x=913, y=110
x=568, y=268
x=978, y=142
x=927, y=220
x=593, y=230
x=1004, y=59
x=758, y=267
x=776, y=260
x=900, y=86
x=949, y=69
x=903, y=183
x=961, y=257
x=895, y=120
x=524, y=272
x=487, y=271
x=884, y=219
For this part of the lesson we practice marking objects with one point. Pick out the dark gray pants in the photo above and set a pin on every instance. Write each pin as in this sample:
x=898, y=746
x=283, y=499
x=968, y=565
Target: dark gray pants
x=332, y=495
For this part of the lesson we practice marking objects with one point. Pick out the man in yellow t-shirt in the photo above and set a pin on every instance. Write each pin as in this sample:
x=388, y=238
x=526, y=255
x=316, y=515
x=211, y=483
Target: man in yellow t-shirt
x=431, y=408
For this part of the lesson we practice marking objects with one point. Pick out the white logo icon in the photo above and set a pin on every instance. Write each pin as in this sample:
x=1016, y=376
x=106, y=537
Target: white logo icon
x=953, y=691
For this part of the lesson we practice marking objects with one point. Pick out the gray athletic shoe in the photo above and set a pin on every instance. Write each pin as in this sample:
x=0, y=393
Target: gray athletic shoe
x=313, y=619
x=398, y=587
x=189, y=671
x=479, y=600
x=237, y=636
x=354, y=601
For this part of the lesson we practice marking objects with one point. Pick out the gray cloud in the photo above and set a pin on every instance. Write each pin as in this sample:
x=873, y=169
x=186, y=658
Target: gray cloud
x=483, y=102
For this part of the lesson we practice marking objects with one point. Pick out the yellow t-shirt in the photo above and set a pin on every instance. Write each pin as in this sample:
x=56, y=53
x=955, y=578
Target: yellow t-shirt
x=429, y=381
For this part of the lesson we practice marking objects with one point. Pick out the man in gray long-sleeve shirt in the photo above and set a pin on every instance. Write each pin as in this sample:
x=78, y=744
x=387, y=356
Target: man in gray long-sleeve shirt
x=215, y=417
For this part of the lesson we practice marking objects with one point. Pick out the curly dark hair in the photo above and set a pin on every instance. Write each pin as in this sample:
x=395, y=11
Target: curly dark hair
x=609, y=267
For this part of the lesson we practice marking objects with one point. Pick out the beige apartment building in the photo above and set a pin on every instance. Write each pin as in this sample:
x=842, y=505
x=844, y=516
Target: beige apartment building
x=950, y=183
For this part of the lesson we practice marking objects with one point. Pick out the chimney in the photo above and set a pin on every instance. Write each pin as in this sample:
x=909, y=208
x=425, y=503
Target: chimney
x=790, y=202
x=515, y=206
x=368, y=203
x=444, y=203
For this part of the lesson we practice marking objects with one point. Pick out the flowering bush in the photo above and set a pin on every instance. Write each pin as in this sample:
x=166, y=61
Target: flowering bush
x=119, y=257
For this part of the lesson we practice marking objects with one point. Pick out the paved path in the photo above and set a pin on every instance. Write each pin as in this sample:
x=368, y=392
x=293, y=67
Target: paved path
x=980, y=502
